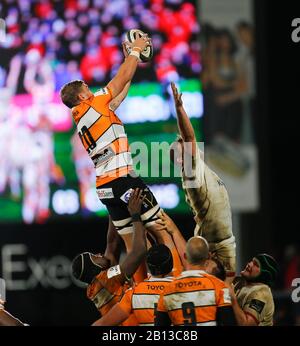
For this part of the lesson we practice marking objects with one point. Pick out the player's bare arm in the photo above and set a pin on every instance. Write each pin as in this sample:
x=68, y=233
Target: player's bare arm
x=242, y=318
x=129, y=66
x=113, y=241
x=162, y=236
x=139, y=244
x=114, y=317
x=7, y=320
x=115, y=103
x=166, y=223
x=183, y=122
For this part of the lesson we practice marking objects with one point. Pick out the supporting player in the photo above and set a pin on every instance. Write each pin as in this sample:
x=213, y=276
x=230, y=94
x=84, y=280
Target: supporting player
x=205, y=192
x=252, y=299
x=141, y=300
x=213, y=265
x=195, y=297
x=106, y=283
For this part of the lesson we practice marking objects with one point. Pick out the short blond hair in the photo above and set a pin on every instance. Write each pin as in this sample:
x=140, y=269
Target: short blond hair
x=69, y=93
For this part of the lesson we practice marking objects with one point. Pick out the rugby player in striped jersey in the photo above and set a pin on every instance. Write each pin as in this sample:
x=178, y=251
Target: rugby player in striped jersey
x=103, y=136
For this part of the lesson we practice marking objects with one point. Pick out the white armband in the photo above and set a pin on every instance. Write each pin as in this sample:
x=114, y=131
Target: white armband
x=113, y=271
x=136, y=54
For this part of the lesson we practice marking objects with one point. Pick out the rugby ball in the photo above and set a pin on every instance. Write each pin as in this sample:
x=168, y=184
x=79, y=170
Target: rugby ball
x=131, y=36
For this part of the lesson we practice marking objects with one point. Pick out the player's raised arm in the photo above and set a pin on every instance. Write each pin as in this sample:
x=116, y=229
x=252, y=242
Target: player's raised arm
x=115, y=103
x=183, y=122
x=139, y=244
x=113, y=240
x=128, y=68
x=166, y=223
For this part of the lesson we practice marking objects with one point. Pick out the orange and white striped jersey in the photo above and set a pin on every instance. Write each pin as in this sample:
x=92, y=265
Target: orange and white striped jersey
x=107, y=289
x=142, y=299
x=103, y=136
x=193, y=297
x=1, y=304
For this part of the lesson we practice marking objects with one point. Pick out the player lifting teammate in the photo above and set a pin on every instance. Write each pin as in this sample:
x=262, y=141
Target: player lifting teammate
x=106, y=282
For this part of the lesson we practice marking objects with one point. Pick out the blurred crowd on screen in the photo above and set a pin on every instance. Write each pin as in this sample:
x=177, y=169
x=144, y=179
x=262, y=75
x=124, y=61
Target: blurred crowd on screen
x=82, y=38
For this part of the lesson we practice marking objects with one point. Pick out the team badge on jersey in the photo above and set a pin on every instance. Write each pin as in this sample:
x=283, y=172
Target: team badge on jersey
x=257, y=305
x=125, y=197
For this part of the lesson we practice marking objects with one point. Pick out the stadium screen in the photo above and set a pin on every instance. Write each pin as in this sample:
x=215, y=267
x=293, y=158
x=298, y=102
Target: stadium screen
x=45, y=173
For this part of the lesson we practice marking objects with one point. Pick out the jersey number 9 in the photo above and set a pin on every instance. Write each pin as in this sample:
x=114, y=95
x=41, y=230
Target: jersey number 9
x=188, y=311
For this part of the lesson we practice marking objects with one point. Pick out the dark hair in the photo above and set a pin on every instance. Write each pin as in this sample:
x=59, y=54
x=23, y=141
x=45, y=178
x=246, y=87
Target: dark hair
x=159, y=260
x=219, y=271
x=69, y=93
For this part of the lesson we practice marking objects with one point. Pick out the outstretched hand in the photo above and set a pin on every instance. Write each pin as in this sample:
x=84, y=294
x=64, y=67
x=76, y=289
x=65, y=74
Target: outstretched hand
x=166, y=223
x=142, y=42
x=135, y=201
x=176, y=95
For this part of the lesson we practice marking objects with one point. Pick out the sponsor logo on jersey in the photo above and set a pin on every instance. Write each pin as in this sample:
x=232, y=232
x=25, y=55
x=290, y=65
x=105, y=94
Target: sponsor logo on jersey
x=103, y=157
x=105, y=193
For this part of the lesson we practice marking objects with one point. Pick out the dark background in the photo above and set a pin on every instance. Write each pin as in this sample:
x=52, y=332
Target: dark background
x=270, y=230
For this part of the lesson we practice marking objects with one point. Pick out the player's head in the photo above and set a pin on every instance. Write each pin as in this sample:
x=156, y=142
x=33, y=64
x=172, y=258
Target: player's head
x=262, y=268
x=159, y=260
x=197, y=251
x=86, y=266
x=215, y=267
x=74, y=92
x=176, y=151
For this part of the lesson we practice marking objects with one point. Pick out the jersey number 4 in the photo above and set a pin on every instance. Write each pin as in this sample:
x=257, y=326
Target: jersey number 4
x=87, y=139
